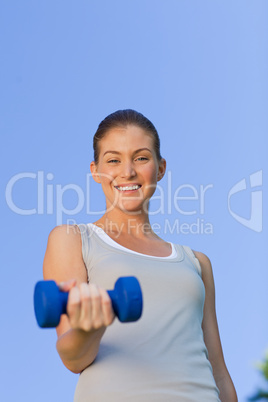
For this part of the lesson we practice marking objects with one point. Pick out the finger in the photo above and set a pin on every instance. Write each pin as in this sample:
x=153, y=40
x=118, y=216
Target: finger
x=107, y=308
x=86, y=307
x=74, y=307
x=97, y=314
x=67, y=285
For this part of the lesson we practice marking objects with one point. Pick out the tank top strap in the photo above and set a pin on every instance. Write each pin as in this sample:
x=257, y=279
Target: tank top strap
x=193, y=258
x=86, y=233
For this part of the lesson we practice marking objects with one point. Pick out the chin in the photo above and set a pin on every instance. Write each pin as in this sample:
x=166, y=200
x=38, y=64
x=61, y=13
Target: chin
x=132, y=208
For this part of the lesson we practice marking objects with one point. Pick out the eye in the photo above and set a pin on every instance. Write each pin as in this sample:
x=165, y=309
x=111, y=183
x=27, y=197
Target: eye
x=113, y=161
x=142, y=159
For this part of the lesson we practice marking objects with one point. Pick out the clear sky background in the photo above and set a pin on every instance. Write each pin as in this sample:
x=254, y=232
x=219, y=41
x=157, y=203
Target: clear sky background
x=198, y=70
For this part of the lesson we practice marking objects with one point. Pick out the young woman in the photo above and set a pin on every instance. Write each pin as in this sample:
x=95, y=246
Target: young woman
x=173, y=353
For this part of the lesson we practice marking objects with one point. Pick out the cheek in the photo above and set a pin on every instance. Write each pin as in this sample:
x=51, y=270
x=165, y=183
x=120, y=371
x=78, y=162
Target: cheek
x=106, y=175
x=150, y=178
x=150, y=173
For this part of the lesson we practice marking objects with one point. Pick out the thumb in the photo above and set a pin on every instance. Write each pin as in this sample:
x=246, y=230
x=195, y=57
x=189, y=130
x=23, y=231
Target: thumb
x=67, y=285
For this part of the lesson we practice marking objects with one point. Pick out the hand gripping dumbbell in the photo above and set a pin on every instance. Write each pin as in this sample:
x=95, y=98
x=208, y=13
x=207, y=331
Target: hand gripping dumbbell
x=50, y=302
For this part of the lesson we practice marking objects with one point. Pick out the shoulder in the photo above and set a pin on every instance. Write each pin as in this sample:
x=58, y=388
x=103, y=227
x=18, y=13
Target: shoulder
x=206, y=267
x=64, y=233
x=64, y=250
x=203, y=259
x=65, y=240
x=67, y=237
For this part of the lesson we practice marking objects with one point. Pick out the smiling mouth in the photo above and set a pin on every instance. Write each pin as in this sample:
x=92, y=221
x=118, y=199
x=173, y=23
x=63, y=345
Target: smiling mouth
x=128, y=188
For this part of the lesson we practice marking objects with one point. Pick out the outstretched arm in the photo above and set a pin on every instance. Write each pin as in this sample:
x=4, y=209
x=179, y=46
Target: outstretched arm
x=89, y=307
x=212, y=336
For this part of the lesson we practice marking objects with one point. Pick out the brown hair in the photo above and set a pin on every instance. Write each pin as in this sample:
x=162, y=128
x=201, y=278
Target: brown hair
x=123, y=118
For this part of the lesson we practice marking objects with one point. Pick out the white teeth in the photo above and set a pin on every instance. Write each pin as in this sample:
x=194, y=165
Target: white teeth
x=128, y=188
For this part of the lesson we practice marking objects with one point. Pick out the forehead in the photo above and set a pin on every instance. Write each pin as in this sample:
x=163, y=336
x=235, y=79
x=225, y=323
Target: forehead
x=120, y=138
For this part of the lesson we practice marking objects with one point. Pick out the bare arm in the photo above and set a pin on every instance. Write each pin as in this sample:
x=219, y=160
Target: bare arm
x=89, y=307
x=211, y=334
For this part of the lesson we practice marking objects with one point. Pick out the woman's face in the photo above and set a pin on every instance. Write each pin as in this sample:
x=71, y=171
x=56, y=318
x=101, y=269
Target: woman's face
x=128, y=169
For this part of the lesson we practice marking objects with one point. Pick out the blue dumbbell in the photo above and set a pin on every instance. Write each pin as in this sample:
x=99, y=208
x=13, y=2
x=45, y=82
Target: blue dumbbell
x=50, y=302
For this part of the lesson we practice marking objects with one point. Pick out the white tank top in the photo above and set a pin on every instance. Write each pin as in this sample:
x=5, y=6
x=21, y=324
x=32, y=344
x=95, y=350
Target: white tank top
x=162, y=357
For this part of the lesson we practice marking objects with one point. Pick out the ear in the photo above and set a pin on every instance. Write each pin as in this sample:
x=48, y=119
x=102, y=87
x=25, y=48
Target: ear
x=161, y=169
x=94, y=172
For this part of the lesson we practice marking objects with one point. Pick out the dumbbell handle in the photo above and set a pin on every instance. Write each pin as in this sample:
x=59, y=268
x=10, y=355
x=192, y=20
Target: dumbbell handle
x=50, y=302
x=112, y=294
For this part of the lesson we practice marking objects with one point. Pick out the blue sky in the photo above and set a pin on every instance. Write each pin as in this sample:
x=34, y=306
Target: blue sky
x=198, y=70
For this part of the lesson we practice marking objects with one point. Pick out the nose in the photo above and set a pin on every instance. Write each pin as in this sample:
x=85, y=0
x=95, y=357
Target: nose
x=128, y=170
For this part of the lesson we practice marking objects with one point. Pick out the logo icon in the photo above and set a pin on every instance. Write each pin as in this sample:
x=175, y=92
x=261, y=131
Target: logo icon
x=255, y=220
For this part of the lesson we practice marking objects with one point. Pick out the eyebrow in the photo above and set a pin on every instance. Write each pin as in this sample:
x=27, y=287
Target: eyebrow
x=135, y=152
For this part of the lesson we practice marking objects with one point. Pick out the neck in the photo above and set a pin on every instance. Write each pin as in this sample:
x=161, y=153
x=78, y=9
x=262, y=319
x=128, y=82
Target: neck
x=122, y=224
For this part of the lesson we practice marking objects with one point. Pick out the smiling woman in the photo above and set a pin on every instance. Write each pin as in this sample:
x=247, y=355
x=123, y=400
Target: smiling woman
x=173, y=353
